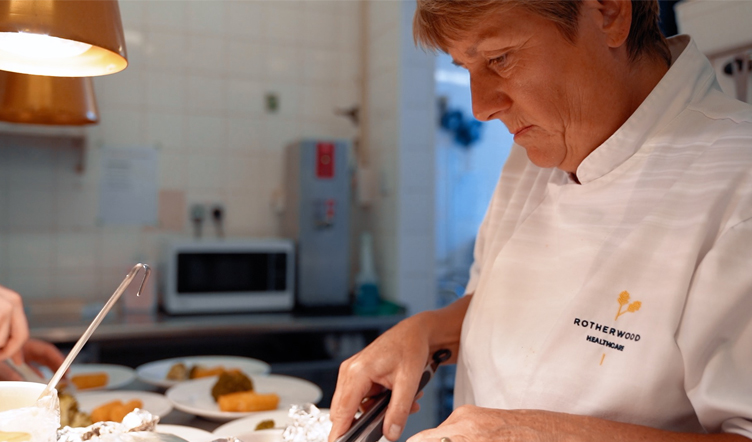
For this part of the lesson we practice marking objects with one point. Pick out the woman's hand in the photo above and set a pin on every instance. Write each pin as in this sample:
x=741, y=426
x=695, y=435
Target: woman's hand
x=475, y=424
x=471, y=423
x=14, y=330
x=395, y=360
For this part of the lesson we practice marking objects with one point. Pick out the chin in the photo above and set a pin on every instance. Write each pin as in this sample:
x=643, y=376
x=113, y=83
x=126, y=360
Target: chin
x=541, y=158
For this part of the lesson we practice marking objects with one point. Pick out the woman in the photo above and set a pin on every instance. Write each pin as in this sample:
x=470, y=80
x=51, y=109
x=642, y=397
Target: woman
x=610, y=294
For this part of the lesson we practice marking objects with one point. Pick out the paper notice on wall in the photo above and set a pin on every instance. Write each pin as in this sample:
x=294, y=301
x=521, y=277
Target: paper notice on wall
x=128, y=188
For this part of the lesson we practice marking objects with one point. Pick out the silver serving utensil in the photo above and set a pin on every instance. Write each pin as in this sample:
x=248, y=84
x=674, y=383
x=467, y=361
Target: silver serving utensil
x=25, y=371
x=94, y=324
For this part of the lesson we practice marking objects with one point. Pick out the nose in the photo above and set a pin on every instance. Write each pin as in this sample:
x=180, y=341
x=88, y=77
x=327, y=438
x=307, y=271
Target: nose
x=489, y=100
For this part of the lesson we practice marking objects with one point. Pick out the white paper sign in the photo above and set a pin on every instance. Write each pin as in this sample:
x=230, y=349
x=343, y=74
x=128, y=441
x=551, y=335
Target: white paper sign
x=128, y=189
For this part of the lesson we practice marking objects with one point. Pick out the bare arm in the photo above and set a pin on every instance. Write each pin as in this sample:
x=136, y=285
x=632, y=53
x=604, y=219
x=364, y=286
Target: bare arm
x=476, y=424
x=395, y=360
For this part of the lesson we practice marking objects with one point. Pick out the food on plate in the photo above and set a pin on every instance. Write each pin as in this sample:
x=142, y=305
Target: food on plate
x=199, y=371
x=70, y=415
x=231, y=382
x=264, y=425
x=89, y=380
x=245, y=401
x=178, y=372
x=233, y=391
x=181, y=372
x=115, y=411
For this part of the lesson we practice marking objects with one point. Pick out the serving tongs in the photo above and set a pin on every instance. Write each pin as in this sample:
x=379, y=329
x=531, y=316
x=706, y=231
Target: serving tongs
x=94, y=324
x=368, y=426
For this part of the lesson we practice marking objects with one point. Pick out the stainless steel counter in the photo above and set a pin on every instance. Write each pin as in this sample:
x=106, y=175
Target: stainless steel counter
x=128, y=327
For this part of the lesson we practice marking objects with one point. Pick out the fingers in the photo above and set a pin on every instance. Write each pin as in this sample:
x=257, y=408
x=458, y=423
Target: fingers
x=403, y=397
x=43, y=353
x=348, y=396
x=415, y=408
x=8, y=374
x=14, y=330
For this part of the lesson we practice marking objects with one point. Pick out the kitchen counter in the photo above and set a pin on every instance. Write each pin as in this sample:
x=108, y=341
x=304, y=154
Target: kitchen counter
x=308, y=347
x=128, y=327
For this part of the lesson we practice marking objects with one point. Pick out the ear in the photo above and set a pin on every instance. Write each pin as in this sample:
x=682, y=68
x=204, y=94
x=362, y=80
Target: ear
x=614, y=18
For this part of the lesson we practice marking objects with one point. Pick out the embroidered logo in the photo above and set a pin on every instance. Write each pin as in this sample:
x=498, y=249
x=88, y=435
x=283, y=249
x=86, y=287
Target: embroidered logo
x=624, y=300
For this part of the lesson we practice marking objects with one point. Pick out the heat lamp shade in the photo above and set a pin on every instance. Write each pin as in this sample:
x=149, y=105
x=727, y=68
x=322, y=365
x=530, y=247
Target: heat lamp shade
x=37, y=99
x=61, y=38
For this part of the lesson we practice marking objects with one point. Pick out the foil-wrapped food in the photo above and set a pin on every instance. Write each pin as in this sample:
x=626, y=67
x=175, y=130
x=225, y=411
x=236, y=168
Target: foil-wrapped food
x=137, y=421
x=307, y=424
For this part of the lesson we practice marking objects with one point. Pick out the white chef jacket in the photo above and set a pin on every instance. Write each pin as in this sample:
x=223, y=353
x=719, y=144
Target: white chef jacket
x=627, y=297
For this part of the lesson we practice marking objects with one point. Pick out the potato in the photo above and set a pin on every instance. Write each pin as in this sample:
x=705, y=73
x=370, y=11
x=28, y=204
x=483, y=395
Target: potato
x=203, y=372
x=102, y=412
x=248, y=401
x=114, y=411
x=89, y=380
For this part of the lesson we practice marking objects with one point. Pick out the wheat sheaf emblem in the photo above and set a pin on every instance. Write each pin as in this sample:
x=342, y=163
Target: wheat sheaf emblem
x=624, y=301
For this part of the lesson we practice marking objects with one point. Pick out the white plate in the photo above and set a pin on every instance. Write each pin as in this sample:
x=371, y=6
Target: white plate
x=117, y=375
x=244, y=427
x=155, y=373
x=154, y=403
x=260, y=436
x=194, y=397
x=188, y=433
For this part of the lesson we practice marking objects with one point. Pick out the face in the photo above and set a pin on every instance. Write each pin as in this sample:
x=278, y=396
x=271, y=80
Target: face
x=560, y=100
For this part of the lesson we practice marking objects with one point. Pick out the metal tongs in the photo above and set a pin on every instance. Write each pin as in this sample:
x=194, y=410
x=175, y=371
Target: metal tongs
x=95, y=323
x=368, y=427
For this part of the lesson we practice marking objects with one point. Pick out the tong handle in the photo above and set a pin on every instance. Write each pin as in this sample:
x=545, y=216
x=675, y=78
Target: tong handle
x=369, y=426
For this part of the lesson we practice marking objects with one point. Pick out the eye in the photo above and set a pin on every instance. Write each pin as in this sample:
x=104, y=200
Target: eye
x=501, y=64
x=498, y=62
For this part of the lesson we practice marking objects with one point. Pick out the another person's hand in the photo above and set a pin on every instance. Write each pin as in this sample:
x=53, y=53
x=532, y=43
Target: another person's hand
x=14, y=330
x=395, y=360
x=36, y=353
x=41, y=353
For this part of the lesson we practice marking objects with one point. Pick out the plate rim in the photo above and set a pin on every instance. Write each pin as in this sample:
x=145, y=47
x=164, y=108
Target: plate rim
x=209, y=435
x=223, y=416
x=166, y=383
x=256, y=415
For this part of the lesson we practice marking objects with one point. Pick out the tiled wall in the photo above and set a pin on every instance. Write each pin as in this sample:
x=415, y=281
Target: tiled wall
x=402, y=123
x=194, y=89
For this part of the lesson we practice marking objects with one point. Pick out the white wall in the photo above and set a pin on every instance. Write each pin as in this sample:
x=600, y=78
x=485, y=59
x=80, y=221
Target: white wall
x=401, y=120
x=194, y=88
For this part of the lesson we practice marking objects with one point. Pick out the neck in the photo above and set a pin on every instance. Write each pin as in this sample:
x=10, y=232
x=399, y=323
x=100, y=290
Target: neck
x=636, y=83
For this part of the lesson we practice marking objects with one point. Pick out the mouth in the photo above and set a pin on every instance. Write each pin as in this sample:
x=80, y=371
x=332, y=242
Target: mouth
x=521, y=131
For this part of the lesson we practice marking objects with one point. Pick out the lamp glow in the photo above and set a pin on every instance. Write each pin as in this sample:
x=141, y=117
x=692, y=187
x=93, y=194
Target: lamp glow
x=40, y=46
x=61, y=38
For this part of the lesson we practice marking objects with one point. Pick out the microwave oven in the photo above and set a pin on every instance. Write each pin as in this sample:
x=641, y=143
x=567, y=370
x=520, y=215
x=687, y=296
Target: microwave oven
x=222, y=276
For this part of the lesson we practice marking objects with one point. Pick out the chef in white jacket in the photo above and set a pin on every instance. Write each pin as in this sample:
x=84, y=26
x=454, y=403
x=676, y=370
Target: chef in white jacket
x=611, y=293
